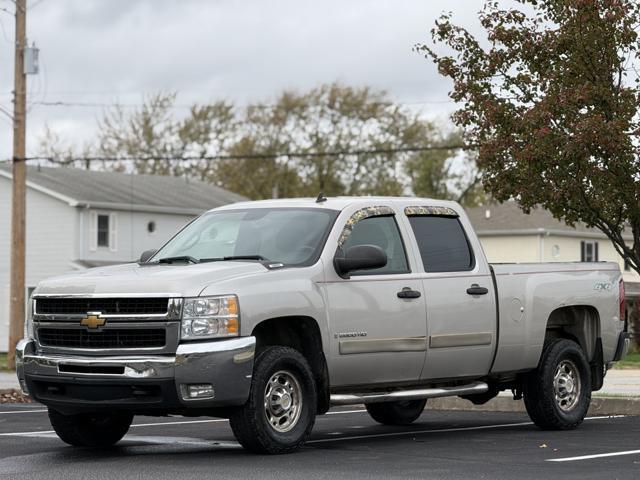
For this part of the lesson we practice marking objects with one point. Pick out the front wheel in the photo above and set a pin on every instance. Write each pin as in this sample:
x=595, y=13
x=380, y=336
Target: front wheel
x=396, y=413
x=558, y=393
x=280, y=412
x=90, y=429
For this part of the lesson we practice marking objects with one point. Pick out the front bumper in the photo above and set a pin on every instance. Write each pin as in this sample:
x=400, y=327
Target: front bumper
x=140, y=382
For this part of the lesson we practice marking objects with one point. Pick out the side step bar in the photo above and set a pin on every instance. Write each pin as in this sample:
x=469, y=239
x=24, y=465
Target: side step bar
x=413, y=394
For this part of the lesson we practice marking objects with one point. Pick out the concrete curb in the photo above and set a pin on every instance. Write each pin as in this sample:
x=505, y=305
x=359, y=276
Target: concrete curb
x=599, y=405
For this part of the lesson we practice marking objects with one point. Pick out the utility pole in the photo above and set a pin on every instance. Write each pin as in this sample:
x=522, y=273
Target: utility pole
x=18, y=204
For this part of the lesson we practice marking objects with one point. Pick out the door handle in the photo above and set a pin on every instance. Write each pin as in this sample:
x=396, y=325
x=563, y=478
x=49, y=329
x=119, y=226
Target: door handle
x=476, y=289
x=406, y=292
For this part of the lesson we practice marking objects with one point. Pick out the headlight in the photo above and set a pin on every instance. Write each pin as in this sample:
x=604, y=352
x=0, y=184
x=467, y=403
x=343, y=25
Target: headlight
x=210, y=317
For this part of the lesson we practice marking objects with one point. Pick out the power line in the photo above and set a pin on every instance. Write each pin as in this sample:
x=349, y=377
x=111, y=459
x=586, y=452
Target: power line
x=192, y=91
x=62, y=103
x=252, y=156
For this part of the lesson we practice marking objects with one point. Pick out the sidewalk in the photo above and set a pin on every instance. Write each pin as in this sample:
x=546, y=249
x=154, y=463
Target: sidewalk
x=623, y=382
x=8, y=380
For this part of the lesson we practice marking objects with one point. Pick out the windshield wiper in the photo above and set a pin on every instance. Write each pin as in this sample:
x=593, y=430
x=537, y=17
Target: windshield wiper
x=235, y=257
x=246, y=257
x=181, y=258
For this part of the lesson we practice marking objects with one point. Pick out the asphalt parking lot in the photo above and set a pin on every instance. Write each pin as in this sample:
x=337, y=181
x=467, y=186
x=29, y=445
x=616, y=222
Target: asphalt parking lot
x=346, y=443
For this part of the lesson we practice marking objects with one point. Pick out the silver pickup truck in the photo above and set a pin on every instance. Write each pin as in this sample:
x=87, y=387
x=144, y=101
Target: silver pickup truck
x=268, y=313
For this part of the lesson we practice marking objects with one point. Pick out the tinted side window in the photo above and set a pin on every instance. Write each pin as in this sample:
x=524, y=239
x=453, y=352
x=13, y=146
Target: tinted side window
x=382, y=232
x=443, y=244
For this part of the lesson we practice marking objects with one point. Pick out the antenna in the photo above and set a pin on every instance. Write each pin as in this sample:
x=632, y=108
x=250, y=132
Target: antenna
x=321, y=198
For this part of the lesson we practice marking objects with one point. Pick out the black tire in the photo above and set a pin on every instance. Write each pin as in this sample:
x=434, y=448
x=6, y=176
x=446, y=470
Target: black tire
x=250, y=423
x=90, y=429
x=396, y=413
x=559, y=356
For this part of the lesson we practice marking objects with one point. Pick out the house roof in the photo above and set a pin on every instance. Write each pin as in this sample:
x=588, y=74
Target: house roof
x=121, y=191
x=508, y=219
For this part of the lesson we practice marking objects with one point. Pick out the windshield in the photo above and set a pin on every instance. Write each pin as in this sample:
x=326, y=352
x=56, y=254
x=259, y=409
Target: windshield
x=291, y=236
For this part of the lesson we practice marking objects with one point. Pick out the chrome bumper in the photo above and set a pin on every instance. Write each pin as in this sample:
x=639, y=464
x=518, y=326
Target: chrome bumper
x=227, y=365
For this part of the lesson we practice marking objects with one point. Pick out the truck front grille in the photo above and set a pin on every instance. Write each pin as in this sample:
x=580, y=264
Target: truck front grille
x=109, y=338
x=111, y=306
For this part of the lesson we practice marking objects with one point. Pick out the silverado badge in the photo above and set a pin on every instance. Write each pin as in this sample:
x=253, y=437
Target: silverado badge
x=93, y=320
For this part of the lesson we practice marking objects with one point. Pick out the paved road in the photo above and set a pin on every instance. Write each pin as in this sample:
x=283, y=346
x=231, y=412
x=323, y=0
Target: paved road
x=345, y=444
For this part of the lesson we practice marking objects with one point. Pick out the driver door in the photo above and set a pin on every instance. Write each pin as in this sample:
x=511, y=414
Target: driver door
x=377, y=335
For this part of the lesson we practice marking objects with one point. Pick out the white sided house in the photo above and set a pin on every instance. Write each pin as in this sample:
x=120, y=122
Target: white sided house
x=78, y=219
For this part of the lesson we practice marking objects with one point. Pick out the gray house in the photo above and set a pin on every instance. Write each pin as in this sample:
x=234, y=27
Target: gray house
x=78, y=219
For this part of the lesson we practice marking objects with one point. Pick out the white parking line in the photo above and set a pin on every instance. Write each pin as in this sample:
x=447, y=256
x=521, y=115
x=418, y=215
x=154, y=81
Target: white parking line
x=46, y=432
x=589, y=457
x=440, y=430
x=195, y=442
x=26, y=434
x=340, y=412
x=23, y=411
x=154, y=424
x=418, y=432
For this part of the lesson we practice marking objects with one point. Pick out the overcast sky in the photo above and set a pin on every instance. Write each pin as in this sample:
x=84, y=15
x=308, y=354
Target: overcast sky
x=107, y=51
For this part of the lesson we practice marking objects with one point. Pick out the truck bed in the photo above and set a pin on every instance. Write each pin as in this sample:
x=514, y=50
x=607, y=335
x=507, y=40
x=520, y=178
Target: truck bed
x=528, y=293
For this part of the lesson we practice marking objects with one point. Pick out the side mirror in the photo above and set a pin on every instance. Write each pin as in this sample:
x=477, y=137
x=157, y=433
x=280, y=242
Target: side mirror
x=359, y=257
x=146, y=255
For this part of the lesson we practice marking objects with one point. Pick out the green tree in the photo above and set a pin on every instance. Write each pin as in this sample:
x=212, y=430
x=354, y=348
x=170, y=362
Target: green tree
x=156, y=139
x=258, y=145
x=330, y=118
x=548, y=99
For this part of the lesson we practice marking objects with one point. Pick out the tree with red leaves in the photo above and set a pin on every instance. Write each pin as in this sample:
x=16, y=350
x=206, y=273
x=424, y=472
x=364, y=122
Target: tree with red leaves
x=551, y=99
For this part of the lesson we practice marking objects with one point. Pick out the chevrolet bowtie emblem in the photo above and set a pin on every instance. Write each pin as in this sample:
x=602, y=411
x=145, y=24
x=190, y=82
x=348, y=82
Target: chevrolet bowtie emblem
x=93, y=320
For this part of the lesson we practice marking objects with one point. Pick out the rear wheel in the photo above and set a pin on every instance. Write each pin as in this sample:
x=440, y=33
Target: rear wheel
x=396, y=413
x=558, y=393
x=280, y=412
x=90, y=429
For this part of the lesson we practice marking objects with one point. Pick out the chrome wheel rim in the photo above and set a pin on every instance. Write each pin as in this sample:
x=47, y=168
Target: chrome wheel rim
x=282, y=401
x=567, y=385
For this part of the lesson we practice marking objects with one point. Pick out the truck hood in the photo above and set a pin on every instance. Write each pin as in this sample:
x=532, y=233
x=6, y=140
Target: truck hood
x=131, y=279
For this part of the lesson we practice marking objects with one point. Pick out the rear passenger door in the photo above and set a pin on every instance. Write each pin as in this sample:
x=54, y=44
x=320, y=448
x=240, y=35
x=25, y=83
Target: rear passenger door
x=459, y=294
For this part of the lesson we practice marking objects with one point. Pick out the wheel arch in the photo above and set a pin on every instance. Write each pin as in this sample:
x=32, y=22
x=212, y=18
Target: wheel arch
x=580, y=323
x=301, y=333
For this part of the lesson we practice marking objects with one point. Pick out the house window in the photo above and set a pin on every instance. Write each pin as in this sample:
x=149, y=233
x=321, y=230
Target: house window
x=588, y=251
x=103, y=230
